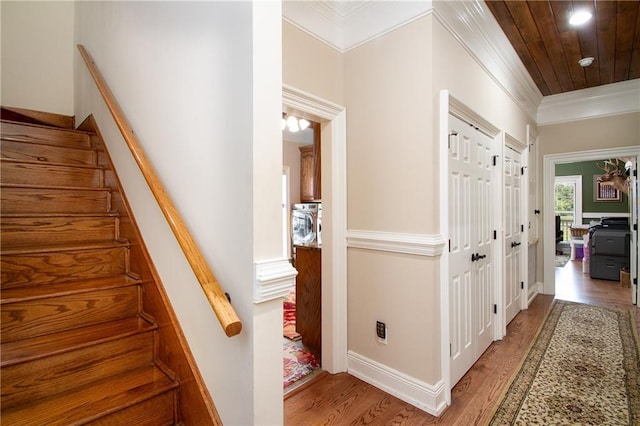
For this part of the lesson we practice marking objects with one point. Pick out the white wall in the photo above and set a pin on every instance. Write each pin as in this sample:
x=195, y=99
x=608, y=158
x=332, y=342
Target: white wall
x=37, y=55
x=184, y=75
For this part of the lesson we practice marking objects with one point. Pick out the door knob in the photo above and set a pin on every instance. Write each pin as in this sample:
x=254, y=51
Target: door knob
x=514, y=244
x=477, y=256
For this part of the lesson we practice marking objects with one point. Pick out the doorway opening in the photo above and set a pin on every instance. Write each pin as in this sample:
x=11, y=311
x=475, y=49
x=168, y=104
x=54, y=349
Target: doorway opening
x=334, y=250
x=302, y=207
x=590, y=214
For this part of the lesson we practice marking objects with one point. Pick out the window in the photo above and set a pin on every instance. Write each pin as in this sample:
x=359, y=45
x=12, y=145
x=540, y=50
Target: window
x=568, y=202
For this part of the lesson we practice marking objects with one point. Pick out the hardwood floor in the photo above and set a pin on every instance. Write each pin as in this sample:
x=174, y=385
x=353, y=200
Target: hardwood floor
x=342, y=399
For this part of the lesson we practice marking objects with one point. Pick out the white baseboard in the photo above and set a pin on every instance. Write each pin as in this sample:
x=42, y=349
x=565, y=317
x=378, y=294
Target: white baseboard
x=429, y=398
x=534, y=290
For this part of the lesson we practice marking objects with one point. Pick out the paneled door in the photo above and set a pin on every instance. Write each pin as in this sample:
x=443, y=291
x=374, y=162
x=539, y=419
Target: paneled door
x=471, y=200
x=513, y=233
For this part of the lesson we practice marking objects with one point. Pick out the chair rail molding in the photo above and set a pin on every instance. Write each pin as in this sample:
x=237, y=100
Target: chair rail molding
x=272, y=279
x=417, y=244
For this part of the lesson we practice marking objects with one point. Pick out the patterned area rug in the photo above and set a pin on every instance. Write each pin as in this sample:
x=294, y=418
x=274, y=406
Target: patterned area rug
x=583, y=368
x=561, y=260
x=289, y=312
x=297, y=362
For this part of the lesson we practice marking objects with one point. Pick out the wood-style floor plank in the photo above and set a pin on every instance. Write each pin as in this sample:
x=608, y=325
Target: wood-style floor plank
x=342, y=399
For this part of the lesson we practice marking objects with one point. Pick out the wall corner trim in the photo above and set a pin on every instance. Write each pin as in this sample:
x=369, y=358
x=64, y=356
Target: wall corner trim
x=427, y=397
x=417, y=244
x=272, y=279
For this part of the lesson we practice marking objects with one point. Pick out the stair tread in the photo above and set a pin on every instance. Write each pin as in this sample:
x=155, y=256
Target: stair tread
x=60, y=247
x=52, y=164
x=93, y=401
x=41, y=346
x=9, y=127
x=47, y=215
x=19, y=294
x=49, y=187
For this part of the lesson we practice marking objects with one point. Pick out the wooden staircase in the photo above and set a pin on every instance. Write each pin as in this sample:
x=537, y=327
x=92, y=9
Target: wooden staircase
x=76, y=343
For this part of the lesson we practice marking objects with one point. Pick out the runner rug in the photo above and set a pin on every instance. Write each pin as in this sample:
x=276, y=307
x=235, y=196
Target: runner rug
x=583, y=368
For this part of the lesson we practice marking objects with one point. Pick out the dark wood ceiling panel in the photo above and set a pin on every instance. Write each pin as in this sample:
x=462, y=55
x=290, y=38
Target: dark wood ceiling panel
x=546, y=25
x=626, y=23
x=550, y=48
x=634, y=69
x=524, y=21
x=606, y=29
x=503, y=15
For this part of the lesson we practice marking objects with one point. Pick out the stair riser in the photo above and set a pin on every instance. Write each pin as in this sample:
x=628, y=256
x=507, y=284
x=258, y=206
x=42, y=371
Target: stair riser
x=43, y=268
x=50, y=175
x=48, y=376
x=54, y=200
x=49, y=154
x=38, y=231
x=157, y=411
x=21, y=320
x=57, y=137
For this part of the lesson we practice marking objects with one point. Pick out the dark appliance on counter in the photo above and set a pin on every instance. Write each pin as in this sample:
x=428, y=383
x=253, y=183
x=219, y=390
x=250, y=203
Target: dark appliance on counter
x=610, y=248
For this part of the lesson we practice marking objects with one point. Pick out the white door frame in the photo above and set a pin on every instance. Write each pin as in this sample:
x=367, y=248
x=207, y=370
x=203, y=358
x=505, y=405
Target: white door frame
x=334, y=288
x=549, y=172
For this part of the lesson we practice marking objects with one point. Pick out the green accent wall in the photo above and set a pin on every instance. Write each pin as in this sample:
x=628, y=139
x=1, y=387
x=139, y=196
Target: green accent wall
x=589, y=169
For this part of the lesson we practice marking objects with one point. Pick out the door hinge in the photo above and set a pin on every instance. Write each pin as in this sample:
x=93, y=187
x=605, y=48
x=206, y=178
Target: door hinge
x=495, y=234
x=521, y=228
x=635, y=226
x=495, y=309
x=450, y=351
x=453, y=133
x=635, y=281
x=449, y=246
x=495, y=160
x=521, y=171
x=522, y=285
x=635, y=173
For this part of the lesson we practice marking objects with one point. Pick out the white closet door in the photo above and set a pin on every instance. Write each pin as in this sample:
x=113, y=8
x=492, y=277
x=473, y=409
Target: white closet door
x=471, y=241
x=513, y=230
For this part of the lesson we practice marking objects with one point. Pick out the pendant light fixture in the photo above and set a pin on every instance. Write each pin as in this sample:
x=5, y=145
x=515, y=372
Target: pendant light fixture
x=293, y=123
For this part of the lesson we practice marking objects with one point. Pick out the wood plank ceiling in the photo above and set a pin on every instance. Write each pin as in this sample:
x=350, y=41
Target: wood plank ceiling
x=550, y=47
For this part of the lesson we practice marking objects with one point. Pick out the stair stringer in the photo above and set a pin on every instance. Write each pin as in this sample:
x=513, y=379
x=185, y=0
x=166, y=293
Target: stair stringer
x=195, y=404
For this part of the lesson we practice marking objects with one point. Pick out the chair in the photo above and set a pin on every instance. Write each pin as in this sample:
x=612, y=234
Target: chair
x=558, y=231
x=577, y=241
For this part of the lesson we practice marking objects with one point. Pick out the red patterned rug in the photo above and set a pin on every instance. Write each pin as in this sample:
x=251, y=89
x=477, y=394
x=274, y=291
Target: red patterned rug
x=297, y=362
x=289, y=308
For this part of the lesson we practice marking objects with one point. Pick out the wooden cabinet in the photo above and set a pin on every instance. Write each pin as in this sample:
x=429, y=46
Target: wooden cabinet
x=306, y=173
x=308, y=296
x=310, y=164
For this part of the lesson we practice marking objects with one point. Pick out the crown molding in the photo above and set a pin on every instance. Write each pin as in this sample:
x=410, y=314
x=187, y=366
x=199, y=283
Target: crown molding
x=473, y=25
x=344, y=25
x=600, y=101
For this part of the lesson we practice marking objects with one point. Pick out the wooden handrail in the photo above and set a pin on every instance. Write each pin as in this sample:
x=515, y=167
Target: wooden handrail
x=222, y=307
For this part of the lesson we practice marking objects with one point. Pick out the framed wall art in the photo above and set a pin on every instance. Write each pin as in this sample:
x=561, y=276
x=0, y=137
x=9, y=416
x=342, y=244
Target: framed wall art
x=605, y=191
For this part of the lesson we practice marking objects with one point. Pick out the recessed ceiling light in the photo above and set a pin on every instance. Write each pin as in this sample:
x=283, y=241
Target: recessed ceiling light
x=585, y=62
x=579, y=17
